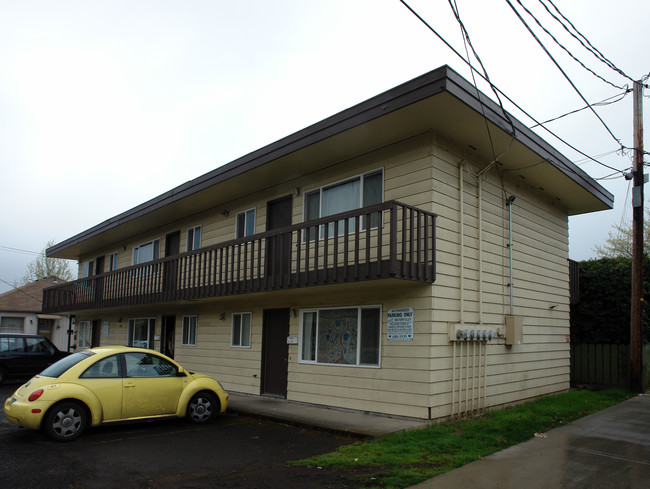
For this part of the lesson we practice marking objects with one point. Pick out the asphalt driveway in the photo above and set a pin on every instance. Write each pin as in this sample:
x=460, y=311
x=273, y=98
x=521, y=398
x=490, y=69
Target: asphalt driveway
x=235, y=451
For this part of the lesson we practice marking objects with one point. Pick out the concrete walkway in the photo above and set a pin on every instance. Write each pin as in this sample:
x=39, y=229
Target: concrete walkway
x=606, y=450
x=330, y=419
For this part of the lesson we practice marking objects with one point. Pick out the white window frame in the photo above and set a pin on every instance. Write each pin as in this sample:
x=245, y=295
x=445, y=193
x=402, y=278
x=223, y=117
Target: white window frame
x=151, y=325
x=249, y=216
x=189, y=329
x=155, y=243
x=191, y=238
x=84, y=334
x=358, y=363
x=241, y=315
x=113, y=261
x=361, y=177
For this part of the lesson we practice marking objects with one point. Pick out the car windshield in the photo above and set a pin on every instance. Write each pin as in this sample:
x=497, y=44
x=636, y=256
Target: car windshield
x=59, y=368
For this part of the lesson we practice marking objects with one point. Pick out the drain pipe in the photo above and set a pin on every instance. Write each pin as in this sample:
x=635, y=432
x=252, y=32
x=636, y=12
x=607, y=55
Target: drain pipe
x=509, y=202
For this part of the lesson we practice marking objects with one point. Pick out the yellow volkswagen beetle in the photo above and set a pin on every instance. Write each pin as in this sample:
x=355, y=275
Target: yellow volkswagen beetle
x=108, y=384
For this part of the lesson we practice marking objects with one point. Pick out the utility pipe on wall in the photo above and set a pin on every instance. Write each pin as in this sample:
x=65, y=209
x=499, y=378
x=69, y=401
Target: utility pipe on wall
x=509, y=202
x=461, y=221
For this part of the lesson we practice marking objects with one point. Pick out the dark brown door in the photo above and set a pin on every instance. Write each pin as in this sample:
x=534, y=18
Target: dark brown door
x=96, y=332
x=99, y=282
x=275, y=352
x=167, y=337
x=99, y=265
x=170, y=270
x=278, y=256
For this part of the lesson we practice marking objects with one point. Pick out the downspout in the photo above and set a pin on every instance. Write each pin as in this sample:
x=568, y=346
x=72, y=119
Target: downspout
x=480, y=251
x=509, y=202
x=461, y=221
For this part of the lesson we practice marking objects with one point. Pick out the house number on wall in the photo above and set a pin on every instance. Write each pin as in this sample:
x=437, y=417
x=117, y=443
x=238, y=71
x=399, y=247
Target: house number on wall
x=400, y=324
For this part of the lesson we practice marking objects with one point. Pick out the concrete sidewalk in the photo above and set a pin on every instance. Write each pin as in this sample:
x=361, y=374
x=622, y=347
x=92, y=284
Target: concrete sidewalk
x=344, y=421
x=609, y=450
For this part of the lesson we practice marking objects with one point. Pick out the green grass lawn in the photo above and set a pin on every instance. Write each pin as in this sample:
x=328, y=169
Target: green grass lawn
x=410, y=457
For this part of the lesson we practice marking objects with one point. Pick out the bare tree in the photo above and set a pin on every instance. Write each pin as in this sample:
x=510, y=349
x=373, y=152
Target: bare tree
x=619, y=240
x=42, y=267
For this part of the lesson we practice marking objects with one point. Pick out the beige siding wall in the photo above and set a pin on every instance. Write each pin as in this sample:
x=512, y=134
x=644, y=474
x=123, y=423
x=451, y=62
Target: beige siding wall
x=415, y=378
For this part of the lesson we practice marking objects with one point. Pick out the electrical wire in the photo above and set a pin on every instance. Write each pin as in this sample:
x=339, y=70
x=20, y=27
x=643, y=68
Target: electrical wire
x=446, y=43
x=561, y=70
x=468, y=41
x=18, y=289
x=566, y=50
x=18, y=250
x=579, y=37
x=602, y=103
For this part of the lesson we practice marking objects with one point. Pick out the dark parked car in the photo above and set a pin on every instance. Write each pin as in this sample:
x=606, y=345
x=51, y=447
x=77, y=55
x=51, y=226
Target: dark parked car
x=25, y=355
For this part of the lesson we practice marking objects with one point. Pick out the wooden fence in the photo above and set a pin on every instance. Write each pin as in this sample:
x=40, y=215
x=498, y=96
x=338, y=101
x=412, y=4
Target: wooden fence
x=600, y=364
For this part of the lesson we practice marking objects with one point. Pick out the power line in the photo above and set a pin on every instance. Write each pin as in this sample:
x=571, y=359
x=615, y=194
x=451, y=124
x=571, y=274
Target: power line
x=18, y=250
x=468, y=41
x=506, y=96
x=566, y=50
x=607, y=101
x=561, y=70
x=21, y=290
x=579, y=37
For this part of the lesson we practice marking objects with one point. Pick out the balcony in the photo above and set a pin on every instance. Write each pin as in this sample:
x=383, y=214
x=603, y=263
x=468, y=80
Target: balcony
x=383, y=241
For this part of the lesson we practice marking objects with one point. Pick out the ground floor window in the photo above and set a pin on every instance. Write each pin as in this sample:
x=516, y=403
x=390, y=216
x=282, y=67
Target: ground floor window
x=10, y=324
x=84, y=334
x=189, y=331
x=241, y=329
x=141, y=332
x=346, y=336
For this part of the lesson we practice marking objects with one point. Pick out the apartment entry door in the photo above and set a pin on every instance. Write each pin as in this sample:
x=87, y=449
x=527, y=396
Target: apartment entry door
x=275, y=352
x=168, y=335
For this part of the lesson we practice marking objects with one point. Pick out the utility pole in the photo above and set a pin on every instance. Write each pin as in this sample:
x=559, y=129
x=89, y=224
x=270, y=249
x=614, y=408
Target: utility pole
x=636, y=313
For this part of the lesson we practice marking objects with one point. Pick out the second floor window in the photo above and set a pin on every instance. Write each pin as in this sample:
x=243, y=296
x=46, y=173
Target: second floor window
x=112, y=262
x=193, y=238
x=245, y=223
x=87, y=269
x=351, y=194
x=146, y=252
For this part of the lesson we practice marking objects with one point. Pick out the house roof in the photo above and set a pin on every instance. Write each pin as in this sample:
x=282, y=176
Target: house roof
x=441, y=101
x=28, y=298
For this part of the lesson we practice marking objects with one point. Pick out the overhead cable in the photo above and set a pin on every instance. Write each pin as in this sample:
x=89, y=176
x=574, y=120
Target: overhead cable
x=579, y=37
x=566, y=50
x=403, y=2
x=607, y=101
x=468, y=41
x=562, y=71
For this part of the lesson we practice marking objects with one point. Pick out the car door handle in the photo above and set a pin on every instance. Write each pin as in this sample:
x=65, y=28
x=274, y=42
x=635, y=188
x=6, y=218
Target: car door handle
x=129, y=386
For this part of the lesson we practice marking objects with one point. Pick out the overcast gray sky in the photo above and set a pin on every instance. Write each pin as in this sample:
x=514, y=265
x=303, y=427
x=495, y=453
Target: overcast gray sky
x=106, y=104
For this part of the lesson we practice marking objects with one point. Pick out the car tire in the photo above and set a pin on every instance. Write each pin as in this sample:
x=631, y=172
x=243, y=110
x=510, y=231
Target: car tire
x=65, y=421
x=202, y=408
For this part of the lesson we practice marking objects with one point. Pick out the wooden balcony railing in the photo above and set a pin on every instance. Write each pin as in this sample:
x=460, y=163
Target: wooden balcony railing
x=388, y=240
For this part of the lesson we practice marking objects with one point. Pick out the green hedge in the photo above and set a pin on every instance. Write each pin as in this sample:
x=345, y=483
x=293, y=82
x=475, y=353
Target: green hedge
x=603, y=313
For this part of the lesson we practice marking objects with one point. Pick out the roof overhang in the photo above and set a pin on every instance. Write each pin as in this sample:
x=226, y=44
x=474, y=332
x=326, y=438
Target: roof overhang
x=440, y=101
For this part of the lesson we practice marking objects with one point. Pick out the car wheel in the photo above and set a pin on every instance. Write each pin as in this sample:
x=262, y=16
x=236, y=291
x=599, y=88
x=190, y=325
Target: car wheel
x=65, y=421
x=203, y=407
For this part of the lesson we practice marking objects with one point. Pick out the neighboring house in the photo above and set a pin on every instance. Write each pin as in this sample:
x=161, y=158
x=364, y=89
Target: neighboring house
x=373, y=261
x=21, y=312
